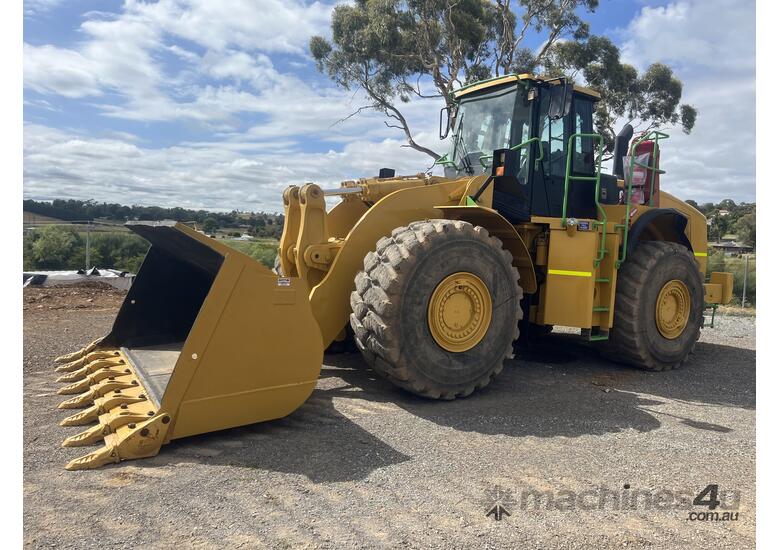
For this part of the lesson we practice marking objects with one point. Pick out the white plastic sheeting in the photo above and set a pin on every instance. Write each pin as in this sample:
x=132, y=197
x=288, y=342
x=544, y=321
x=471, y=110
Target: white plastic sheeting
x=118, y=279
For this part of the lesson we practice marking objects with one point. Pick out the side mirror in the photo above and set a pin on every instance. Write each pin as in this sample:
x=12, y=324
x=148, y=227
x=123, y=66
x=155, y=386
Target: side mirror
x=560, y=100
x=445, y=115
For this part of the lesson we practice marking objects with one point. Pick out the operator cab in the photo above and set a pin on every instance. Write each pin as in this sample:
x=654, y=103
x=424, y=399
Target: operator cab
x=530, y=120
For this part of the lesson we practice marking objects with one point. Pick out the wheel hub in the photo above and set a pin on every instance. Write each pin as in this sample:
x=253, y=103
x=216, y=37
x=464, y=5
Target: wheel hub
x=459, y=312
x=672, y=309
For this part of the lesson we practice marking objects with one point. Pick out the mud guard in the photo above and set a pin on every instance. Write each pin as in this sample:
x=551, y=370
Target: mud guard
x=500, y=227
x=665, y=224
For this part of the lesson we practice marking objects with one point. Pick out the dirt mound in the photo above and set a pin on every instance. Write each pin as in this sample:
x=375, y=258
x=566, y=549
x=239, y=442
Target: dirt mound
x=83, y=295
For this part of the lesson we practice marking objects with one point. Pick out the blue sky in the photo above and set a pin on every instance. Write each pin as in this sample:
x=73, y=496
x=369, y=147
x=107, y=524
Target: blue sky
x=218, y=105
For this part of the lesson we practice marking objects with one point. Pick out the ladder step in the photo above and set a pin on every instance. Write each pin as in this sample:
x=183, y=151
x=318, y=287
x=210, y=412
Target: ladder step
x=601, y=308
x=596, y=334
x=602, y=280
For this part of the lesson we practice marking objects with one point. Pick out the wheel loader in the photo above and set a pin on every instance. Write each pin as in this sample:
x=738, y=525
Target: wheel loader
x=436, y=278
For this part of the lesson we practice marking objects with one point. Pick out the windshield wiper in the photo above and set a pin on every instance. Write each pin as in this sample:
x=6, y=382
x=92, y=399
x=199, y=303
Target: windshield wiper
x=457, y=137
x=466, y=163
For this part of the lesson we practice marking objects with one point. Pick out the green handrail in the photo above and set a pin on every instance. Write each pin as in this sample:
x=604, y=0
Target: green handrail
x=444, y=160
x=515, y=148
x=653, y=135
x=569, y=177
x=597, y=194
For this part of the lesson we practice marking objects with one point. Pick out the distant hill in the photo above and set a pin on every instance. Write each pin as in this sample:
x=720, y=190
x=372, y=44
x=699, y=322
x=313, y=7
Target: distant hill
x=257, y=224
x=728, y=220
x=33, y=217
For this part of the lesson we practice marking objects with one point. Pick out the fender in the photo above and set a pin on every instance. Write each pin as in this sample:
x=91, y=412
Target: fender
x=659, y=224
x=500, y=227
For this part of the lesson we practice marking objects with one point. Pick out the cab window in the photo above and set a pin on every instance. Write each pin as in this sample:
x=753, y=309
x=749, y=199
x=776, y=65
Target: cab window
x=552, y=137
x=582, y=159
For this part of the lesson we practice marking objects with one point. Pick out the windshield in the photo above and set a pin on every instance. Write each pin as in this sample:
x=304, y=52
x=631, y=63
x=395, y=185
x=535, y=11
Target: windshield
x=483, y=124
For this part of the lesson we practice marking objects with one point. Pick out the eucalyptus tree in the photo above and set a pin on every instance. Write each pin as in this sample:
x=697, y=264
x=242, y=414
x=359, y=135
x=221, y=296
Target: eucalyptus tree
x=395, y=51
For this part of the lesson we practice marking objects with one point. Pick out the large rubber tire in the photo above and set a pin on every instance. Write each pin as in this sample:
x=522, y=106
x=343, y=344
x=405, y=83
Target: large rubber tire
x=390, y=307
x=635, y=338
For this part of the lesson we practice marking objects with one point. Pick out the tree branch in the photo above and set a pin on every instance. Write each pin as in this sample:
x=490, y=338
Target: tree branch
x=359, y=109
x=556, y=30
x=382, y=104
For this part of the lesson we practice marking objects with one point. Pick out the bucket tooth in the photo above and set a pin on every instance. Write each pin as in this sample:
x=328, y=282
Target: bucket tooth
x=78, y=402
x=124, y=397
x=98, y=390
x=94, y=356
x=82, y=417
x=90, y=436
x=76, y=387
x=134, y=440
x=72, y=376
x=72, y=366
x=78, y=354
x=109, y=423
x=102, y=405
x=89, y=368
x=102, y=374
x=96, y=459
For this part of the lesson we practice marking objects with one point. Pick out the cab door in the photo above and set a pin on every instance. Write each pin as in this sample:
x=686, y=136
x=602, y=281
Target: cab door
x=550, y=172
x=582, y=193
x=549, y=177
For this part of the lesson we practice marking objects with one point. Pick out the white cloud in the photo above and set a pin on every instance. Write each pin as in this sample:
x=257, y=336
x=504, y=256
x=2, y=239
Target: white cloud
x=221, y=176
x=38, y=7
x=270, y=25
x=224, y=73
x=120, y=54
x=716, y=34
x=63, y=72
x=711, y=46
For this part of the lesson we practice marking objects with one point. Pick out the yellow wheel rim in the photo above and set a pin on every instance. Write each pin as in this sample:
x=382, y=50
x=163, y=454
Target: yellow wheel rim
x=672, y=309
x=459, y=312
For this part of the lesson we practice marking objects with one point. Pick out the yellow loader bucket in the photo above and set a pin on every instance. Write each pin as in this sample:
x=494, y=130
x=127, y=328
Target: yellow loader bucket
x=206, y=339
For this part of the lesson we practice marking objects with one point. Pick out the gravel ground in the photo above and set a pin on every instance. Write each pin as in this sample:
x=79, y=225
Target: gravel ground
x=365, y=465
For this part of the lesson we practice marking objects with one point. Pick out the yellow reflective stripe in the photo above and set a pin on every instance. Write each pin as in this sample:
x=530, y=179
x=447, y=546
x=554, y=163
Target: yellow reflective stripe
x=570, y=273
x=700, y=254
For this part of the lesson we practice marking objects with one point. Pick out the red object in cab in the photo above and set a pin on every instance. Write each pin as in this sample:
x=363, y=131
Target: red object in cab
x=642, y=188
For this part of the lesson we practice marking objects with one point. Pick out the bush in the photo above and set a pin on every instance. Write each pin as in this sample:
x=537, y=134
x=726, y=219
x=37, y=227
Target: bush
x=716, y=261
x=54, y=247
x=121, y=251
x=262, y=251
x=210, y=225
x=737, y=267
x=63, y=248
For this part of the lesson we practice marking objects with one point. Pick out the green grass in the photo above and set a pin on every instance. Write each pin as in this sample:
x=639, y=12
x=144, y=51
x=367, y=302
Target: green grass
x=719, y=262
x=262, y=250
